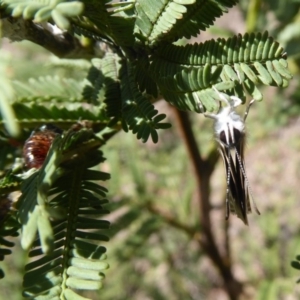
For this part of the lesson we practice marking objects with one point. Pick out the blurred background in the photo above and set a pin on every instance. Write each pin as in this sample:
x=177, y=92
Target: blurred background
x=154, y=251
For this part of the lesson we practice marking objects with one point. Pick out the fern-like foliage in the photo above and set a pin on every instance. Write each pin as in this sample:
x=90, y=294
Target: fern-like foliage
x=171, y=20
x=9, y=225
x=57, y=87
x=62, y=204
x=237, y=64
x=6, y=95
x=141, y=62
x=123, y=100
x=104, y=88
x=54, y=100
x=42, y=11
x=139, y=115
x=10, y=229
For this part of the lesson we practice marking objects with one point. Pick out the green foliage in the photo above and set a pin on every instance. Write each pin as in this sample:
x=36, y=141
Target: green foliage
x=60, y=209
x=42, y=11
x=61, y=203
x=6, y=94
x=9, y=225
x=139, y=114
x=10, y=229
x=233, y=64
x=171, y=20
x=145, y=60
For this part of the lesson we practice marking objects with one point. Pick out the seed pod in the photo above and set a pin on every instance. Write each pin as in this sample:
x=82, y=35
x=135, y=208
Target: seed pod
x=36, y=147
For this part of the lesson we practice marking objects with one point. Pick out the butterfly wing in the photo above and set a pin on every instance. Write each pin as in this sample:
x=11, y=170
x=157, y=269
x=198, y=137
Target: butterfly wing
x=238, y=194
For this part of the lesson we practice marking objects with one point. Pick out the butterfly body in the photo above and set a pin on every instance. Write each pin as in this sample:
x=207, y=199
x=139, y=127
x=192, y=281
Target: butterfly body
x=234, y=128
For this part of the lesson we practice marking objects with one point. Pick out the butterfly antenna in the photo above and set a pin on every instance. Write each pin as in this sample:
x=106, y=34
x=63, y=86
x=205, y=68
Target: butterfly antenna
x=248, y=108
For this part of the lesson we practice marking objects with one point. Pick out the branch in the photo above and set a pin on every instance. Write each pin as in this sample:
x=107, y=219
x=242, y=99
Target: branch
x=169, y=219
x=61, y=44
x=203, y=170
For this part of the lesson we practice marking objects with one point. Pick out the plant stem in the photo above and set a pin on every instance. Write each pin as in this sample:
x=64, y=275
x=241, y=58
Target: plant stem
x=203, y=170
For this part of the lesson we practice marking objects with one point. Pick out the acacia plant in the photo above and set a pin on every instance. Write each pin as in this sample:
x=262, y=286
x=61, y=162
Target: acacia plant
x=134, y=63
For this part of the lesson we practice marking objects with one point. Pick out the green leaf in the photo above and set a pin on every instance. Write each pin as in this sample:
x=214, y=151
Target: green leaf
x=6, y=96
x=60, y=20
x=70, y=9
x=295, y=264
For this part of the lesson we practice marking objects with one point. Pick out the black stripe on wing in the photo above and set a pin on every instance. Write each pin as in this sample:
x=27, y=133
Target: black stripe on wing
x=239, y=203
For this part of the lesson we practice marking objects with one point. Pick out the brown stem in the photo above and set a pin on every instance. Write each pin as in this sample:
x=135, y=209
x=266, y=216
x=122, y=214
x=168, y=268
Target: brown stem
x=169, y=219
x=63, y=45
x=203, y=170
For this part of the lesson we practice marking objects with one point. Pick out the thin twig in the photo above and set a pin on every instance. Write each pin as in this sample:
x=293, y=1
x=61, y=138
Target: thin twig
x=171, y=220
x=63, y=45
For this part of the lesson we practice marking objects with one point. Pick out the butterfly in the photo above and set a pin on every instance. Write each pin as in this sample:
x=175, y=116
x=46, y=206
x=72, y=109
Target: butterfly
x=230, y=134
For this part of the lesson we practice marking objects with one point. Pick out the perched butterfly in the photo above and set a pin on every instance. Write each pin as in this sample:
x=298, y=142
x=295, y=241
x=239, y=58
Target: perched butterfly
x=230, y=133
x=36, y=147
